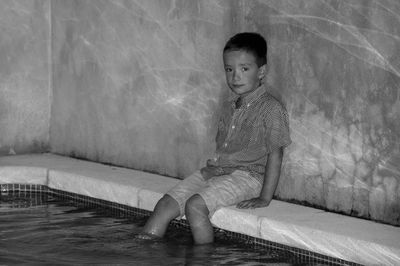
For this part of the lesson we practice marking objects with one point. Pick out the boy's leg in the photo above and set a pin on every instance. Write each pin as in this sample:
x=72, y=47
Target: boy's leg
x=165, y=210
x=172, y=205
x=197, y=214
x=220, y=191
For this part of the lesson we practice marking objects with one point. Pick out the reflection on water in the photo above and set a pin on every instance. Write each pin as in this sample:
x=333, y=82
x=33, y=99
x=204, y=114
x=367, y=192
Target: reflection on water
x=42, y=230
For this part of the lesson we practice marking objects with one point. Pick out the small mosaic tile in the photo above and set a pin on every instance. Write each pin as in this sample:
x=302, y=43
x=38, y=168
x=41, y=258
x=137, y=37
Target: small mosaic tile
x=5, y=188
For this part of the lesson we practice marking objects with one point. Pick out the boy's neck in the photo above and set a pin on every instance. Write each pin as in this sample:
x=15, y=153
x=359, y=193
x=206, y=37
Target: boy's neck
x=244, y=99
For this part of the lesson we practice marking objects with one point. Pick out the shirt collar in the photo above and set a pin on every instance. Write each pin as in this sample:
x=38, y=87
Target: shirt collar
x=248, y=99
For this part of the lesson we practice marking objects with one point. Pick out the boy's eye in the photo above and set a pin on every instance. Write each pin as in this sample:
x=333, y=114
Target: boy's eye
x=227, y=69
x=244, y=69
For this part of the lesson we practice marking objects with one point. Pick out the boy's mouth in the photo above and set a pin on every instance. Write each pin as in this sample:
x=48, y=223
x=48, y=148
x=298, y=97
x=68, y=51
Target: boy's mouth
x=237, y=85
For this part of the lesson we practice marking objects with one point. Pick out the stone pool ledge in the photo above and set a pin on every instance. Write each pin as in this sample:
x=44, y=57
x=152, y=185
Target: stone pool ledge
x=330, y=234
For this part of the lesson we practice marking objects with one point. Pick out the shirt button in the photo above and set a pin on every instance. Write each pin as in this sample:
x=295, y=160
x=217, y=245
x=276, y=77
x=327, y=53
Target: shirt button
x=233, y=126
x=225, y=144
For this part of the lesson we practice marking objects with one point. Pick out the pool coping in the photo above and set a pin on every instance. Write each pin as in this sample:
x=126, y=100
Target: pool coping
x=335, y=235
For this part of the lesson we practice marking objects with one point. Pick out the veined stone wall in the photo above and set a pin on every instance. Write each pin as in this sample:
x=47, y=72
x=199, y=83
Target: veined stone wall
x=336, y=65
x=139, y=84
x=24, y=76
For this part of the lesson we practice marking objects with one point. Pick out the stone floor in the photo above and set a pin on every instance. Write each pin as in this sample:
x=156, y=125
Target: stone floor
x=331, y=234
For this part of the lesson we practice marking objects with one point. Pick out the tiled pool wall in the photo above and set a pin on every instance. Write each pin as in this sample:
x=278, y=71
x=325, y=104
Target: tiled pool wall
x=121, y=210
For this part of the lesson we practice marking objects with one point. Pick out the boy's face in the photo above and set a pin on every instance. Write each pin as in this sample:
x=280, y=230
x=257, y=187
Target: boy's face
x=242, y=72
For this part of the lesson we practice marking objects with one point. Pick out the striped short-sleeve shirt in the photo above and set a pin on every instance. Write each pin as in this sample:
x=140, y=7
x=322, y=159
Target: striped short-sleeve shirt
x=248, y=133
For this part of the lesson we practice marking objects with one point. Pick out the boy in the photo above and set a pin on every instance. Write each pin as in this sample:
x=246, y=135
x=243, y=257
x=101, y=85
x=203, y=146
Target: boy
x=251, y=136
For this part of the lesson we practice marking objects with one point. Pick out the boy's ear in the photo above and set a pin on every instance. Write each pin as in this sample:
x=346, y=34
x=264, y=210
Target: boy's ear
x=262, y=71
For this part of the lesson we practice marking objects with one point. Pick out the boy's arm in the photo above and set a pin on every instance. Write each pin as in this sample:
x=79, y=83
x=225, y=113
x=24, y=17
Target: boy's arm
x=271, y=178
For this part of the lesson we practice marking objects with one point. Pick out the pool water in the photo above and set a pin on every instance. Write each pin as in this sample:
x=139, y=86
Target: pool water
x=43, y=230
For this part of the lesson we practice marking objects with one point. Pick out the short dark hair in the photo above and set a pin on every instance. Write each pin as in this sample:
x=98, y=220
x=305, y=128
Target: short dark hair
x=250, y=42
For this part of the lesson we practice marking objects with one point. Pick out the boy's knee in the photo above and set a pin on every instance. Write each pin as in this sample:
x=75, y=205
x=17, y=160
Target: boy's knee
x=195, y=205
x=166, y=203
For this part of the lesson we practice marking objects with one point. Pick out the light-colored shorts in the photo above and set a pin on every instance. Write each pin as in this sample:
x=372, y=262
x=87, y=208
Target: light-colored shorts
x=218, y=191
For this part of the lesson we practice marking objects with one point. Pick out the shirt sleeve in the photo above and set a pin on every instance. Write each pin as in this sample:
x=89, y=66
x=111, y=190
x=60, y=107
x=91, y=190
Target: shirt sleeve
x=277, y=128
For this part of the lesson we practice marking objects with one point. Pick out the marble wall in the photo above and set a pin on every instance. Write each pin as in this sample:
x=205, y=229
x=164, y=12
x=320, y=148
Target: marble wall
x=139, y=84
x=24, y=76
x=336, y=65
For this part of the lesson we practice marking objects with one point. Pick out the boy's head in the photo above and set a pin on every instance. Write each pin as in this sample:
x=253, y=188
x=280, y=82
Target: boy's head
x=250, y=42
x=245, y=58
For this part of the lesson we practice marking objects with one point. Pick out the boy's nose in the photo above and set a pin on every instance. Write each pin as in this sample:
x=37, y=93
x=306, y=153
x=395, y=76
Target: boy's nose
x=236, y=76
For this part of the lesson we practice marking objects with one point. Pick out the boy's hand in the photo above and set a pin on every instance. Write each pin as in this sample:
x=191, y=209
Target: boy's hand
x=210, y=171
x=253, y=203
x=207, y=173
x=211, y=163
